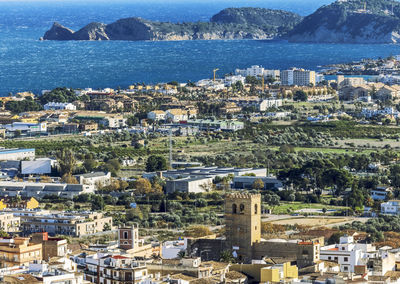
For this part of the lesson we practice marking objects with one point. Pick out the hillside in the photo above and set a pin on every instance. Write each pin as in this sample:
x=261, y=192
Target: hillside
x=260, y=17
x=234, y=23
x=351, y=21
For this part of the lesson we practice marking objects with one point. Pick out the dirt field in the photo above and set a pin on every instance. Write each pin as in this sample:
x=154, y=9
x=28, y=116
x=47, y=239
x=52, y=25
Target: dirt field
x=315, y=222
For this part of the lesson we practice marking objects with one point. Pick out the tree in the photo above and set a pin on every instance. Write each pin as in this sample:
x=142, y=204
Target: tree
x=98, y=203
x=338, y=178
x=106, y=227
x=156, y=163
x=67, y=178
x=226, y=256
x=182, y=254
x=66, y=161
x=258, y=184
x=300, y=95
x=198, y=231
x=59, y=95
x=143, y=186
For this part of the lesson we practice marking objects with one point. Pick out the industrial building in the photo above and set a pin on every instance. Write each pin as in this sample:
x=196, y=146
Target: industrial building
x=17, y=154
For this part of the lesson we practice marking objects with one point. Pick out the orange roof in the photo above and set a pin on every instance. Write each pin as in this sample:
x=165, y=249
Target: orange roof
x=333, y=249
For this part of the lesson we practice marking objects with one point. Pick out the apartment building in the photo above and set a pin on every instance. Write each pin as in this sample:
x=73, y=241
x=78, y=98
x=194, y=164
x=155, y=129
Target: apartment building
x=18, y=251
x=9, y=223
x=298, y=77
x=71, y=224
x=51, y=247
x=101, y=268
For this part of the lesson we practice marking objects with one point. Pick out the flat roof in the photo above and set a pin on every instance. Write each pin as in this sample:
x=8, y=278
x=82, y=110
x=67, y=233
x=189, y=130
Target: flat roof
x=11, y=151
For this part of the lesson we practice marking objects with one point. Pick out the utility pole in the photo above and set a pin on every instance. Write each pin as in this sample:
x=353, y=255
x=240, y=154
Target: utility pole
x=170, y=148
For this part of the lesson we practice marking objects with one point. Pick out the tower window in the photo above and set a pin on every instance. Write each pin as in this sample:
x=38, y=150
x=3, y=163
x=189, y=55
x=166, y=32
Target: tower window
x=241, y=207
x=256, y=209
x=125, y=235
x=234, y=208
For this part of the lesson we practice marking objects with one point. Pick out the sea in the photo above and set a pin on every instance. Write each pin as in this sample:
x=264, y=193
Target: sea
x=28, y=64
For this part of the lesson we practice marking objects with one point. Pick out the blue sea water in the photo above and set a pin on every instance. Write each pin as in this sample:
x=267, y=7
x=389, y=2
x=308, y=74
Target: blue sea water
x=29, y=64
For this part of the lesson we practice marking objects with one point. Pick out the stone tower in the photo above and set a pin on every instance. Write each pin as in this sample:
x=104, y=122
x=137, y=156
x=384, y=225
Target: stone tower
x=243, y=223
x=128, y=237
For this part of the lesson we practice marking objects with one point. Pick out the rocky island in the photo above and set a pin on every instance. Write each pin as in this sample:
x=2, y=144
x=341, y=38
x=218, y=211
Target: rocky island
x=232, y=23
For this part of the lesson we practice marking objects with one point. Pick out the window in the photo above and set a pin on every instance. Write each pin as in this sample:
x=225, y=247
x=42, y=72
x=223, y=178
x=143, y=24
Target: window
x=256, y=209
x=329, y=258
x=234, y=208
x=125, y=235
x=345, y=268
x=346, y=259
x=241, y=207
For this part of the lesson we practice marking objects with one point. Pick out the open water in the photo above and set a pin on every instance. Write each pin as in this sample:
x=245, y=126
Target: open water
x=29, y=64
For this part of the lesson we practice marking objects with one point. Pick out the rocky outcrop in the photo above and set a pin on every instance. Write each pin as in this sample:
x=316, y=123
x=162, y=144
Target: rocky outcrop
x=350, y=22
x=140, y=29
x=59, y=32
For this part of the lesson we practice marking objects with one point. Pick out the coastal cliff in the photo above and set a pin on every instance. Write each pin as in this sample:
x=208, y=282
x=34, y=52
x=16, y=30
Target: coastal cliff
x=234, y=23
x=352, y=21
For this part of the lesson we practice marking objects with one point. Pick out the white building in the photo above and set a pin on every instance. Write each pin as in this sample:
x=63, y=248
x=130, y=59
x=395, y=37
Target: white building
x=231, y=80
x=156, y=115
x=17, y=154
x=95, y=179
x=115, y=121
x=216, y=85
x=177, y=115
x=189, y=184
x=268, y=103
x=347, y=253
x=257, y=71
x=171, y=249
x=59, y=106
x=391, y=207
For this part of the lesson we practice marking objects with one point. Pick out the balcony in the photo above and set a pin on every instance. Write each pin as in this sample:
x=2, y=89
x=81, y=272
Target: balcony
x=89, y=272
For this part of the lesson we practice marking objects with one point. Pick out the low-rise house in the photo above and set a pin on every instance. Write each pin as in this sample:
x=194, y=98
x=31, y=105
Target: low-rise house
x=89, y=126
x=381, y=192
x=95, y=179
x=70, y=127
x=177, y=115
x=391, y=207
x=156, y=115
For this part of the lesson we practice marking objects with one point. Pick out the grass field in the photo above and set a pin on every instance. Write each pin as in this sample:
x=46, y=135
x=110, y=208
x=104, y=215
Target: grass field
x=291, y=207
